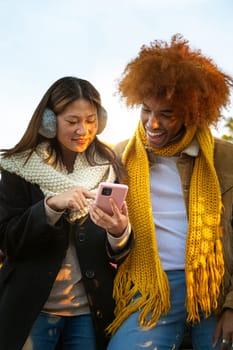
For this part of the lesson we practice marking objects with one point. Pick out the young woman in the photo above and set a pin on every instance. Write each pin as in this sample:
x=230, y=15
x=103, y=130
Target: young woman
x=56, y=279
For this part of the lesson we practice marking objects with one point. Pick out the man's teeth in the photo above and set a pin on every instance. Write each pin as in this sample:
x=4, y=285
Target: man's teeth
x=154, y=134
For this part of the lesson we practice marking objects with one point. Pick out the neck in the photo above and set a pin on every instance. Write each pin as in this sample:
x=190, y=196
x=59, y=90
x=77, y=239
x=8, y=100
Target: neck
x=69, y=160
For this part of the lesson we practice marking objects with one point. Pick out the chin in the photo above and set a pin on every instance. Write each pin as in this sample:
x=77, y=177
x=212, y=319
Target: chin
x=81, y=149
x=158, y=146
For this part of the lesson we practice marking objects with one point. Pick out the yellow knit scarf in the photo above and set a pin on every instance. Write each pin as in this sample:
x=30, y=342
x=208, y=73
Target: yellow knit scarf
x=141, y=273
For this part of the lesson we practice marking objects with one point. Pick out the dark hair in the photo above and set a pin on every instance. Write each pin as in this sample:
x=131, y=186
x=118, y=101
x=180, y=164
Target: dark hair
x=189, y=80
x=60, y=94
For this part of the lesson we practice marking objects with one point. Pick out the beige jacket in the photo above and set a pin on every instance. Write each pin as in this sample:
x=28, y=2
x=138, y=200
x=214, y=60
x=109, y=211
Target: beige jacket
x=223, y=160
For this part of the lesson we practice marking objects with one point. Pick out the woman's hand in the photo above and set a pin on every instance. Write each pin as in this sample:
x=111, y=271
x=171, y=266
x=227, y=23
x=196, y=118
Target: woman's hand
x=74, y=199
x=115, y=224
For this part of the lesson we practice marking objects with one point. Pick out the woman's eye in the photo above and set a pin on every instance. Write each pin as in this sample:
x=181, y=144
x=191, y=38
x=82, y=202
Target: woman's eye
x=92, y=120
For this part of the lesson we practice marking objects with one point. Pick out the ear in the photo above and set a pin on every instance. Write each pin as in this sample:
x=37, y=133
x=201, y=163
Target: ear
x=102, y=119
x=48, y=127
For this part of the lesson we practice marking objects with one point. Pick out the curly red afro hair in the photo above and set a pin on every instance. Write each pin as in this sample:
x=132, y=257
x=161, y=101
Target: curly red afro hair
x=193, y=83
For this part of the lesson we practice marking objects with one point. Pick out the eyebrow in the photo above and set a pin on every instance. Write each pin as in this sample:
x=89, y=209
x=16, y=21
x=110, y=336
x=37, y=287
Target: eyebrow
x=78, y=116
x=166, y=110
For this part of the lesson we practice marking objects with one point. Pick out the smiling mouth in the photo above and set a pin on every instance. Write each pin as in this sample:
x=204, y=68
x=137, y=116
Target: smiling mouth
x=80, y=140
x=154, y=134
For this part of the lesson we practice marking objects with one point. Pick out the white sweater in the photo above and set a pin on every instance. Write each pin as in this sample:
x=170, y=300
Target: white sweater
x=169, y=211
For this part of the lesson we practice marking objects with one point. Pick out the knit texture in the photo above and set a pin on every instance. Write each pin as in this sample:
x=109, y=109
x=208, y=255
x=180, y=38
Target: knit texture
x=141, y=284
x=57, y=180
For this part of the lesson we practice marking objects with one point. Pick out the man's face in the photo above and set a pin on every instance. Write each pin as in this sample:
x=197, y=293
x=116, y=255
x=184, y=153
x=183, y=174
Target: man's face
x=162, y=124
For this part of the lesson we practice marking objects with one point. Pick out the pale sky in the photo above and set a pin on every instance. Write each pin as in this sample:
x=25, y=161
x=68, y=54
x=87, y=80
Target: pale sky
x=42, y=41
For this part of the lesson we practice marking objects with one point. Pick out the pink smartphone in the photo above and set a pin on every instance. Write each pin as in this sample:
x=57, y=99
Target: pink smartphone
x=106, y=190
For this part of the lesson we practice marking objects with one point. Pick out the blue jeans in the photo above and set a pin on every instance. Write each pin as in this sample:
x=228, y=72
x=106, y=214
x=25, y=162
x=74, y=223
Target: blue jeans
x=169, y=330
x=77, y=333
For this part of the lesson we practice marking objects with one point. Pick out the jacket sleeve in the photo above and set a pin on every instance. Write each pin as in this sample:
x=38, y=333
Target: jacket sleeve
x=23, y=223
x=117, y=257
x=228, y=302
x=223, y=161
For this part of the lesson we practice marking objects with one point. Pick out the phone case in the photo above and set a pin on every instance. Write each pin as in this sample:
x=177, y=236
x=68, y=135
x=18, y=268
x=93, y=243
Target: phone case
x=107, y=190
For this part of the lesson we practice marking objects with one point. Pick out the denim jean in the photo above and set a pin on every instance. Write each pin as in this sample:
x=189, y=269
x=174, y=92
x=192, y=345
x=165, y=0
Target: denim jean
x=169, y=331
x=77, y=333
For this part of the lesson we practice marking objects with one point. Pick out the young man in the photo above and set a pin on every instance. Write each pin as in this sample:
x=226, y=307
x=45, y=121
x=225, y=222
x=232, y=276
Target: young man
x=179, y=274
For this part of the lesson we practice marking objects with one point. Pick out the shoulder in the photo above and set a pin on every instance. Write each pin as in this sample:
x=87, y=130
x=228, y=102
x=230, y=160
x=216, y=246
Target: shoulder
x=9, y=178
x=223, y=152
x=223, y=161
x=14, y=182
x=11, y=182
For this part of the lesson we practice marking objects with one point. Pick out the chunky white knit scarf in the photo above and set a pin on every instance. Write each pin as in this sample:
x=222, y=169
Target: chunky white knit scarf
x=57, y=180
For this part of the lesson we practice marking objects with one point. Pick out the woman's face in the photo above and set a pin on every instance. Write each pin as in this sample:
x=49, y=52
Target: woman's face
x=162, y=124
x=77, y=126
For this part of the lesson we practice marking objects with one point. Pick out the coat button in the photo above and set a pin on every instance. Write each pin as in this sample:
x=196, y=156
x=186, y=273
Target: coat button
x=81, y=237
x=90, y=273
x=99, y=314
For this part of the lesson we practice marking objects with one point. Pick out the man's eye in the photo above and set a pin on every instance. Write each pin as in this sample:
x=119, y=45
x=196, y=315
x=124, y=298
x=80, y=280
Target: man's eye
x=146, y=110
x=166, y=115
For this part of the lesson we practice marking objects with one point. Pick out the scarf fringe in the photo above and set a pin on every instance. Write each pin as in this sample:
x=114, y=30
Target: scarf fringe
x=203, y=288
x=205, y=283
x=133, y=297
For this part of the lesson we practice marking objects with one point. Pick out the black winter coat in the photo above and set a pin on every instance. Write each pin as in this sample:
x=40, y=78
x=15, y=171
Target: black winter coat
x=34, y=253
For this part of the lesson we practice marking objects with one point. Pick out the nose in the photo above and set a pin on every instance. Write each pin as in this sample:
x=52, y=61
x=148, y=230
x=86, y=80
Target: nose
x=81, y=129
x=153, y=121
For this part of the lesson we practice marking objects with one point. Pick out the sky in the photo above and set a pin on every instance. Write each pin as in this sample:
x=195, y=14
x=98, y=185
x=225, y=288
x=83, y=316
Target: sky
x=42, y=41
